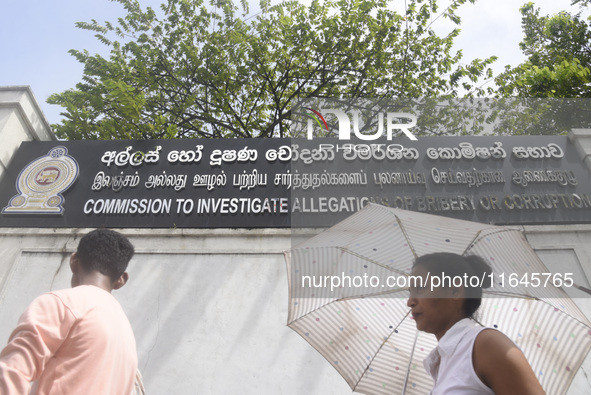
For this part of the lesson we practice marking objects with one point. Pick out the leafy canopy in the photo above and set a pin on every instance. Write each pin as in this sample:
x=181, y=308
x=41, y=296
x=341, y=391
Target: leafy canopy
x=204, y=70
x=546, y=94
x=558, y=57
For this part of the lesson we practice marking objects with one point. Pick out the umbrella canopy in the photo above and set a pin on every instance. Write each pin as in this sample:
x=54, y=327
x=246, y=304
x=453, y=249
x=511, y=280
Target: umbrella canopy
x=349, y=287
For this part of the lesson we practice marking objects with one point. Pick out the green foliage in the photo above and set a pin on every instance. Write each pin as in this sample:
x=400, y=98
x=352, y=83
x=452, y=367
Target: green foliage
x=211, y=70
x=559, y=57
x=546, y=94
x=582, y=3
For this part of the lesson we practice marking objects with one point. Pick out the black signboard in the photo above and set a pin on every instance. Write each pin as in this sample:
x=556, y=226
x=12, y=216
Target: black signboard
x=270, y=183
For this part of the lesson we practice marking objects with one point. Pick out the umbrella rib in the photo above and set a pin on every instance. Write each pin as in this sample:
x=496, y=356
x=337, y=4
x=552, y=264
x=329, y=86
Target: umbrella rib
x=581, y=288
x=391, y=291
x=414, y=345
x=478, y=237
x=473, y=242
x=372, y=261
x=403, y=230
x=379, y=348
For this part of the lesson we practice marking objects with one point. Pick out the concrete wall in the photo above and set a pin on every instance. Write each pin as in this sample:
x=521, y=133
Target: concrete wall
x=209, y=307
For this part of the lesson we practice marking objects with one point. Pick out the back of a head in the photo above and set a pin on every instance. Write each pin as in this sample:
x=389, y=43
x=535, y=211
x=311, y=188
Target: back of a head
x=105, y=251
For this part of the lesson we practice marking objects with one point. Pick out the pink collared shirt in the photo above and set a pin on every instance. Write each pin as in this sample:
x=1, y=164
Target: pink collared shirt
x=73, y=341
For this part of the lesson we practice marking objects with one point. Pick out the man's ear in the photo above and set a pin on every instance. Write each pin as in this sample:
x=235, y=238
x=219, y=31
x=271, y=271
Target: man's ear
x=75, y=268
x=121, y=281
x=74, y=263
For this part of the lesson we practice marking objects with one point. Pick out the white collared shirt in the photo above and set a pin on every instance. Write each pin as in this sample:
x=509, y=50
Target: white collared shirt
x=450, y=363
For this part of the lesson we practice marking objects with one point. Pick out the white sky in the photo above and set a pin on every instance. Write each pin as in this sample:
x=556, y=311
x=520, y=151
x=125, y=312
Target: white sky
x=35, y=36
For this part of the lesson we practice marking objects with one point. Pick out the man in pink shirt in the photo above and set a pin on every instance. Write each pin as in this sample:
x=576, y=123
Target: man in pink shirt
x=77, y=340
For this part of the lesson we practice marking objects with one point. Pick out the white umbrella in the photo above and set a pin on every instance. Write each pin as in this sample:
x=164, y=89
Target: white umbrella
x=348, y=293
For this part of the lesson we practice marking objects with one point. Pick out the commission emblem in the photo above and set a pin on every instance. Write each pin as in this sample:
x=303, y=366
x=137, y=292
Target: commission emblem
x=41, y=183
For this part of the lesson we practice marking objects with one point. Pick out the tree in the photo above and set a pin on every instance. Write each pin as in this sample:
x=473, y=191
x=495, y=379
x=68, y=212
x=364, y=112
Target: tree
x=582, y=3
x=212, y=70
x=544, y=95
x=559, y=57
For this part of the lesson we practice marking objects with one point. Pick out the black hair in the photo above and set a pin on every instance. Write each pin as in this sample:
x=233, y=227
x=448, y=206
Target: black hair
x=457, y=265
x=105, y=251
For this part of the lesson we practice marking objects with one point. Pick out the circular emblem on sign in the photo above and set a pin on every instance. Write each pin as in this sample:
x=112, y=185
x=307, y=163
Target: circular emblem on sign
x=57, y=152
x=18, y=201
x=41, y=183
x=47, y=176
x=54, y=201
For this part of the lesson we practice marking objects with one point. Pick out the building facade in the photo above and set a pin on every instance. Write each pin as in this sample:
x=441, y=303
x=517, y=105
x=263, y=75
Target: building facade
x=209, y=305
